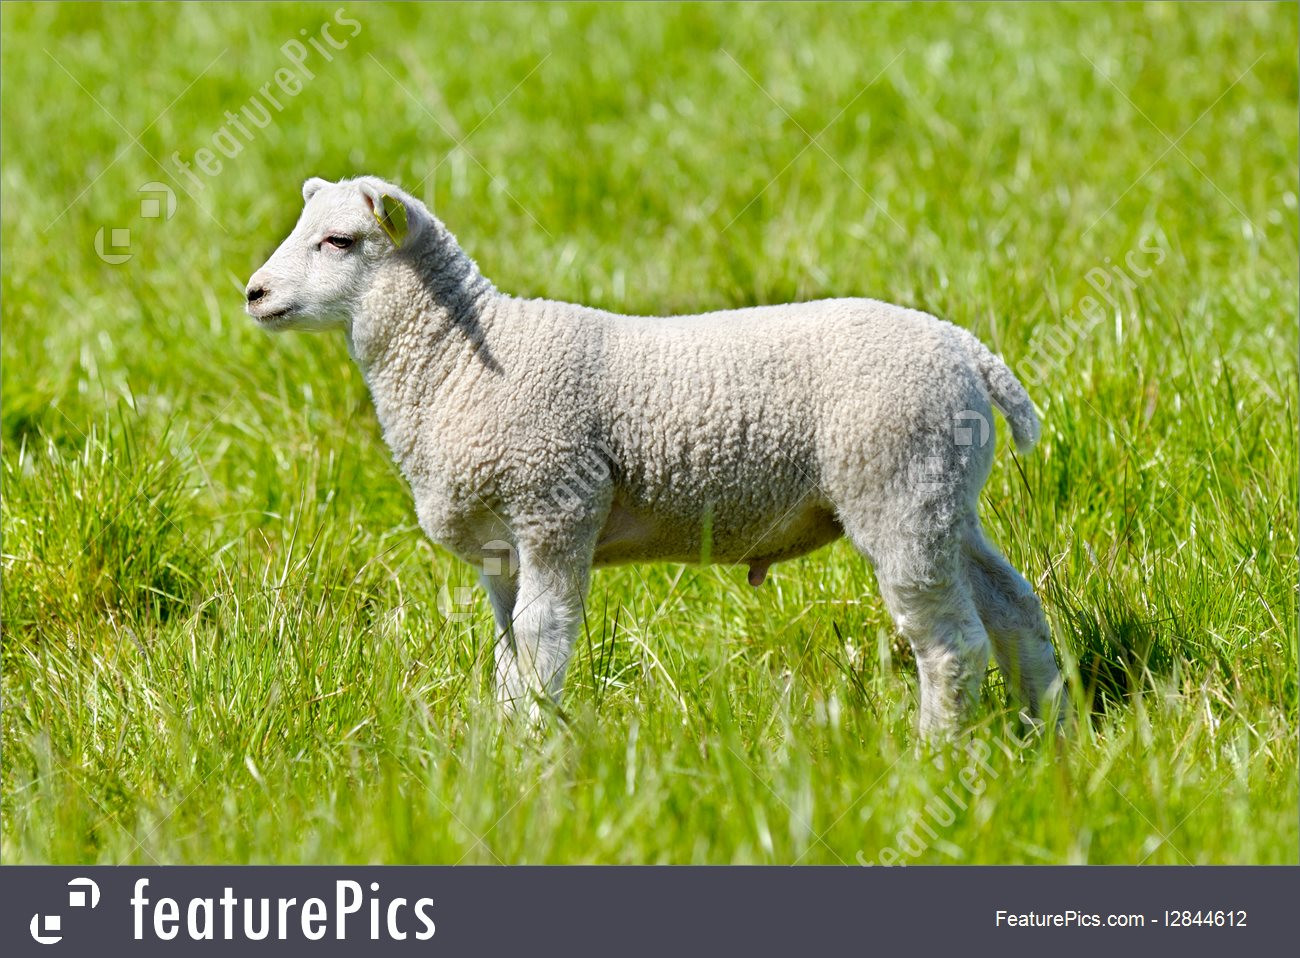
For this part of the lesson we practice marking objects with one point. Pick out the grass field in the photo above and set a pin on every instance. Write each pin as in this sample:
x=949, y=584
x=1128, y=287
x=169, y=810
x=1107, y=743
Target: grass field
x=222, y=637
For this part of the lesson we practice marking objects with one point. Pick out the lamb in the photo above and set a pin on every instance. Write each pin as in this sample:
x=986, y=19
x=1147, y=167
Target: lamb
x=541, y=439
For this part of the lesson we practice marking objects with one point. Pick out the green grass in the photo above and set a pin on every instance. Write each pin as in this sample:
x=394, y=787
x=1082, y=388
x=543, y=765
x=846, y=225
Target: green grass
x=221, y=632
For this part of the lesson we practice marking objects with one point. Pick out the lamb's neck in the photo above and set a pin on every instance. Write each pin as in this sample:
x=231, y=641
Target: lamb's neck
x=421, y=332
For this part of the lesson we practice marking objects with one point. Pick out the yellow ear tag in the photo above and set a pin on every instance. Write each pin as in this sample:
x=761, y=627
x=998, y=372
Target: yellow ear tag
x=393, y=219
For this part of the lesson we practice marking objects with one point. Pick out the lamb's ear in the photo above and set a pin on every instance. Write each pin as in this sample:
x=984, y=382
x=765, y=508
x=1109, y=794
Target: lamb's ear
x=389, y=212
x=311, y=186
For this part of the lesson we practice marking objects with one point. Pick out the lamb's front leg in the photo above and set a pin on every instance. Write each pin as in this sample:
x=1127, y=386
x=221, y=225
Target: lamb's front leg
x=533, y=651
x=502, y=589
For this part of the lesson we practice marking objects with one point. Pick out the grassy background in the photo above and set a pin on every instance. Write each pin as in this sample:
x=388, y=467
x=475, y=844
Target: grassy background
x=221, y=630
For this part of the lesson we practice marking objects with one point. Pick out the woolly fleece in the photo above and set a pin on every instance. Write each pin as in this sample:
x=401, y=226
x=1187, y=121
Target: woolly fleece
x=580, y=437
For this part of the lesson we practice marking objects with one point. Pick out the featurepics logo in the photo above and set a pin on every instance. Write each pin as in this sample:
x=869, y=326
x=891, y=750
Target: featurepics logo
x=231, y=918
x=48, y=929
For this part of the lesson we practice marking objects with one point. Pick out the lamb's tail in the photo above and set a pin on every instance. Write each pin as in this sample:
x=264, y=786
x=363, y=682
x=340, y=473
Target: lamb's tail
x=1007, y=394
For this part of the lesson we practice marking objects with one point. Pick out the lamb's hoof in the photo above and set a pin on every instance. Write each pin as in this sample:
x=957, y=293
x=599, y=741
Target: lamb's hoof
x=526, y=708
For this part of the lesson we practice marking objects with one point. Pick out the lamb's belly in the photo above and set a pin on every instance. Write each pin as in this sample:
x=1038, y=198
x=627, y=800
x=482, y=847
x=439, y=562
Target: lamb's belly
x=633, y=534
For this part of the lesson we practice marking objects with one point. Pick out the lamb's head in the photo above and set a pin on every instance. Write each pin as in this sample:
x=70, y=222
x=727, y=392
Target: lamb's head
x=315, y=280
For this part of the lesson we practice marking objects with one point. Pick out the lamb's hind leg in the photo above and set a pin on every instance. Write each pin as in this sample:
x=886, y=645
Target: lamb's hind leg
x=925, y=589
x=1013, y=616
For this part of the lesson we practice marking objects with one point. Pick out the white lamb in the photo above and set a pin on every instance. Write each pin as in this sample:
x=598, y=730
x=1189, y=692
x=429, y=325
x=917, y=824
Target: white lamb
x=575, y=437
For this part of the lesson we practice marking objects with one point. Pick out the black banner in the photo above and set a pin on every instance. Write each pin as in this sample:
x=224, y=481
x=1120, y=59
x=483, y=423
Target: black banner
x=631, y=911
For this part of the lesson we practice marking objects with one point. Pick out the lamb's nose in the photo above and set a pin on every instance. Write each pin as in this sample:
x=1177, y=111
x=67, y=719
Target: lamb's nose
x=255, y=293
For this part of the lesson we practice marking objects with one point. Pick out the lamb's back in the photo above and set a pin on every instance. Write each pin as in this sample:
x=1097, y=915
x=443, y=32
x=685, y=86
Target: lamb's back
x=692, y=405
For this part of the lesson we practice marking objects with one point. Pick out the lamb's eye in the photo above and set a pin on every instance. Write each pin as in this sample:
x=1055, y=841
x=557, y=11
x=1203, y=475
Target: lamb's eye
x=339, y=242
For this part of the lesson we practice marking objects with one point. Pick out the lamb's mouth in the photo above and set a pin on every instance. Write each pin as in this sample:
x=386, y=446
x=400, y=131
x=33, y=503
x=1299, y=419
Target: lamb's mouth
x=277, y=314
